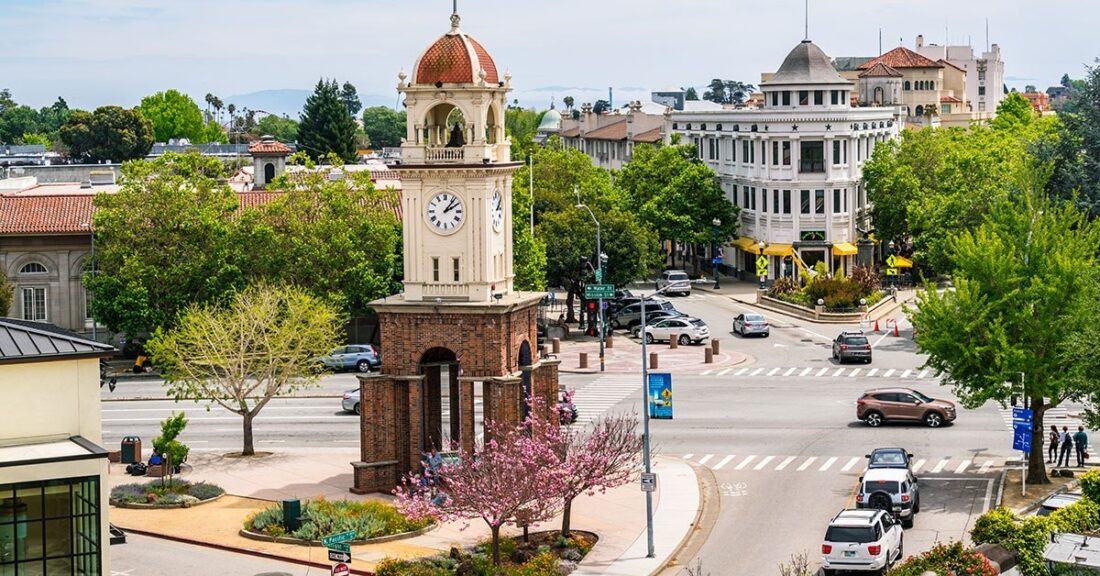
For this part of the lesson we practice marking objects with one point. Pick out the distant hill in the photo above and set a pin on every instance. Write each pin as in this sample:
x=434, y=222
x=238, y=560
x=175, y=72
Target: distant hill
x=289, y=101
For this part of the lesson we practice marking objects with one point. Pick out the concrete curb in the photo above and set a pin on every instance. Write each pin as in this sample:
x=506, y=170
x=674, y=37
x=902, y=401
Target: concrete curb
x=1071, y=485
x=705, y=520
x=154, y=398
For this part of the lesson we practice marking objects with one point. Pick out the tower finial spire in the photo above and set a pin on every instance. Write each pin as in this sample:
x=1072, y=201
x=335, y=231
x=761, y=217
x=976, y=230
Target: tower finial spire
x=454, y=16
x=807, y=36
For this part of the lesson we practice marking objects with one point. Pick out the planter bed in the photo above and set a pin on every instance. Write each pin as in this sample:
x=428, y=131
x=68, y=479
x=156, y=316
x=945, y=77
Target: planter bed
x=160, y=495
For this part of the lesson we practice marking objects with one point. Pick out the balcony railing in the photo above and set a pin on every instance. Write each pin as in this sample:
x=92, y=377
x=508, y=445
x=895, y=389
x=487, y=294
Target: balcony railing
x=451, y=291
x=445, y=155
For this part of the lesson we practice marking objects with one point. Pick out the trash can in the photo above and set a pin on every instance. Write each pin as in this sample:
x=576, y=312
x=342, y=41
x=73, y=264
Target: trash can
x=292, y=511
x=131, y=449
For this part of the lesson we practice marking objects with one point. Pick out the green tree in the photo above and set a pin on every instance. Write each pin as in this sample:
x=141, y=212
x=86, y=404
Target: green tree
x=350, y=98
x=163, y=242
x=326, y=125
x=528, y=252
x=213, y=133
x=37, y=138
x=1013, y=111
x=522, y=125
x=727, y=91
x=15, y=121
x=691, y=94
x=260, y=345
x=109, y=133
x=385, y=127
x=601, y=106
x=283, y=129
x=174, y=115
x=1020, y=293
x=568, y=101
x=1077, y=153
x=7, y=294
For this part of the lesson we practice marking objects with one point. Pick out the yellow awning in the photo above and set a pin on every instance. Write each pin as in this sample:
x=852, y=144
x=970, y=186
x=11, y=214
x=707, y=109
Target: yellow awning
x=747, y=244
x=779, y=250
x=902, y=262
x=844, y=249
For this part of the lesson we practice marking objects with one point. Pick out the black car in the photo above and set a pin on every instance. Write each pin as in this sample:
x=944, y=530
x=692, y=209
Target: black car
x=889, y=458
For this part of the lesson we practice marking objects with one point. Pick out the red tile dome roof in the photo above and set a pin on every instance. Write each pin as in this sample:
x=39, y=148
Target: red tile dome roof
x=455, y=58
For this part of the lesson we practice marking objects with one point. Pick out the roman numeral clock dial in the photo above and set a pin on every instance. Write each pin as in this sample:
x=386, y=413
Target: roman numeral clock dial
x=445, y=212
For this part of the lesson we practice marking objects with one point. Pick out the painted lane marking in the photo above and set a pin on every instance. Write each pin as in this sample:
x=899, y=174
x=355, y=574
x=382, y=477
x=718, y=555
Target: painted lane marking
x=849, y=465
x=939, y=467
x=784, y=463
x=827, y=464
x=721, y=463
x=806, y=464
x=745, y=462
x=763, y=463
x=704, y=459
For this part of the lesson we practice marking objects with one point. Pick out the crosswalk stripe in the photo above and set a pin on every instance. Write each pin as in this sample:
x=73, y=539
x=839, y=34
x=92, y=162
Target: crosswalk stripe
x=838, y=372
x=888, y=373
x=723, y=462
x=939, y=467
x=789, y=372
x=807, y=463
x=918, y=464
x=706, y=458
x=823, y=371
x=855, y=372
x=707, y=372
x=772, y=372
x=872, y=372
x=922, y=374
x=726, y=371
x=688, y=456
x=849, y=465
x=745, y=462
x=763, y=463
x=905, y=374
x=806, y=371
x=757, y=371
x=985, y=467
x=962, y=467
x=741, y=371
x=784, y=463
x=827, y=464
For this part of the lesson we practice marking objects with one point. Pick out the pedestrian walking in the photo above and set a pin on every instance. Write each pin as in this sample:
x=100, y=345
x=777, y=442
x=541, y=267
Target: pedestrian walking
x=1052, y=449
x=1065, y=443
x=1081, y=443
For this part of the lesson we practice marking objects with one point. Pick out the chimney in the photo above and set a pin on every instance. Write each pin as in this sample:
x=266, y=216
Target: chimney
x=920, y=40
x=586, y=117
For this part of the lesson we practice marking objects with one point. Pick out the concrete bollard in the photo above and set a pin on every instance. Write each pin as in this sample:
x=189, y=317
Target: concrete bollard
x=555, y=345
x=708, y=356
x=714, y=347
x=672, y=343
x=584, y=359
x=652, y=360
x=609, y=342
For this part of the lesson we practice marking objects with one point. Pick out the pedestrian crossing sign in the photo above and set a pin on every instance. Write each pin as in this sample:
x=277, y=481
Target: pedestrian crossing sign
x=892, y=261
x=762, y=262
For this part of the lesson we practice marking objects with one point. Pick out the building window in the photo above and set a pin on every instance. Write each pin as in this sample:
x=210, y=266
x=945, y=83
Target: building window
x=812, y=157
x=763, y=199
x=786, y=97
x=805, y=201
x=752, y=153
x=775, y=201
x=456, y=261
x=33, y=268
x=435, y=269
x=775, y=153
x=836, y=152
x=836, y=97
x=745, y=152
x=745, y=197
x=905, y=86
x=786, y=201
x=945, y=108
x=819, y=201
x=712, y=148
x=787, y=153
x=981, y=106
x=836, y=201
x=981, y=75
x=803, y=97
x=819, y=97
x=752, y=198
x=981, y=90
x=34, y=304
x=775, y=99
x=55, y=527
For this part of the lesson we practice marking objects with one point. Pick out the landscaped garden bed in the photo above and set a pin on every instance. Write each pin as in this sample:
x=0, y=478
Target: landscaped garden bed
x=542, y=554
x=164, y=494
x=836, y=293
x=371, y=522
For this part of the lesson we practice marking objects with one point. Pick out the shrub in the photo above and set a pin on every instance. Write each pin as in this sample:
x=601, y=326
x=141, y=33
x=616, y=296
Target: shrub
x=865, y=277
x=784, y=285
x=1027, y=538
x=1090, y=485
x=544, y=564
x=128, y=493
x=366, y=519
x=173, y=498
x=994, y=527
x=946, y=559
x=1081, y=516
x=166, y=443
x=204, y=491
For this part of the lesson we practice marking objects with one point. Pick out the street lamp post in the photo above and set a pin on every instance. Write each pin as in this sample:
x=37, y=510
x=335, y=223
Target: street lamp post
x=645, y=425
x=714, y=251
x=600, y=257
x=763, y=279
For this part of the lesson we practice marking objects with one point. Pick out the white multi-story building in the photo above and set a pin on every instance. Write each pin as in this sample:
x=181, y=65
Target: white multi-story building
x=794, y=165
x=985, y=73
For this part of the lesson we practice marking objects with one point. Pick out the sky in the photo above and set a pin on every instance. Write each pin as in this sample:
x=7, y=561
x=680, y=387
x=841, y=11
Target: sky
x=96, y=52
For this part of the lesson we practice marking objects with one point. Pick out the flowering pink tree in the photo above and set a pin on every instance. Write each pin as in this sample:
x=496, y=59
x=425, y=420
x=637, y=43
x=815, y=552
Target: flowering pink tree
x=514, y=478
x=607, y=456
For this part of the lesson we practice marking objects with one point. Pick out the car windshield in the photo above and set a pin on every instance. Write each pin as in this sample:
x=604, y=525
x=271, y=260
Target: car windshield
x=888, y=486
x=753, y=318
x=677, y=277
x=856, y=534
x=887, y=458
x=856, y=340
x=920, y=396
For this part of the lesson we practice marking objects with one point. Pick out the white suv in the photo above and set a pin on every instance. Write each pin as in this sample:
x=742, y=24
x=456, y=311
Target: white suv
x=894, y=490
x=686, y=330
x=676, y=281
x=861, y=540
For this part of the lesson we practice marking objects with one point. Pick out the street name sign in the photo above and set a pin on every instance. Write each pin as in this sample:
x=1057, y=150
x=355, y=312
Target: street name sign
x=338, y=556
x=337, y=538
x=1022, y=415
x=599, y=291
x=340, y=547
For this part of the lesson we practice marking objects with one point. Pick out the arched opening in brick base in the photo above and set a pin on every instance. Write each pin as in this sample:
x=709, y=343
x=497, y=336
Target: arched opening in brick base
x=440, y=411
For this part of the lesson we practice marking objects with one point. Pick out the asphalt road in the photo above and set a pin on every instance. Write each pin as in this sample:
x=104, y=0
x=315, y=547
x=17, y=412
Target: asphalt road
x=144, y=556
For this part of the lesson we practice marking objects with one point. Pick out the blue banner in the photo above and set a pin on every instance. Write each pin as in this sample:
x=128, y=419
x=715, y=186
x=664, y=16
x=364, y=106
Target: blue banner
x=1021, y=439
x=660, y=395
x=1022, y=415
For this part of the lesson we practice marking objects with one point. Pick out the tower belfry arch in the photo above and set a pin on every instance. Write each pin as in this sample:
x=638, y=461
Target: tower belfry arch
x=459, y=331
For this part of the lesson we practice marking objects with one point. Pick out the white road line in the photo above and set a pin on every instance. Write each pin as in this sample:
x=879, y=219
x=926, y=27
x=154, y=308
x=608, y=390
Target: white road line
x=872, y=372
x=784, y=463
x=726, y=371
x=757, y=371
x=806, y=371
x=881, y=338
x=849, y=465
x=905, y=374
x=741, y=371
x=721, y=463
x=838, y=372
x=939, y=467
x=763, y=463
x=827, y=464
x=985, y=467
x=888, y=373
x=789, y=372
x=811, y=332
x=822, y=372
x=706, y=372
x=806, y=464
x=745, y=462
x=688, y=456
x=917, y=465
x=922, y=374
x=772, y=372
x=273, y=441
x=962, y=467
x=855, y=372
x=704, y=459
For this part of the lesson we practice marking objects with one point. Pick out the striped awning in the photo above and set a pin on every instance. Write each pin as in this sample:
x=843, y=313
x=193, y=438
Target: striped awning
x=844, y=249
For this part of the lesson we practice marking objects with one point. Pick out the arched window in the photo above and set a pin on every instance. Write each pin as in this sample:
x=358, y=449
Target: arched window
x=906, y=86
x=33, y=268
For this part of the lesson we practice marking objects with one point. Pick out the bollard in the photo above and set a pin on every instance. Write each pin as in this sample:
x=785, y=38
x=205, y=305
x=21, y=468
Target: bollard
x=714, y=347
x=708, y=356
x=652, y=360
x=672, y=343
x=609, y=342
x=584, y=359
x=555, y=345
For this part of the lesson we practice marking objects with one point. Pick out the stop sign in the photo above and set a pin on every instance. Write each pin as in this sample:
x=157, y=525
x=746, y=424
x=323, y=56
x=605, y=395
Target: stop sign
x=341, y=569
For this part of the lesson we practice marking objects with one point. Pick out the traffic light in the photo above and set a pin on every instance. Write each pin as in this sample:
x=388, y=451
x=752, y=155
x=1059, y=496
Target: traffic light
x=584, y=266
x=591, y=306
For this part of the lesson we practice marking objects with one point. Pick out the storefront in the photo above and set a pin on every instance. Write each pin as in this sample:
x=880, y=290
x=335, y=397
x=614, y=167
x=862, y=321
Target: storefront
x=50, y=527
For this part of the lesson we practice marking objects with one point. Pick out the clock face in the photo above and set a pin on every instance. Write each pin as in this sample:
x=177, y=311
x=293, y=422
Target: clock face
x=445, y=212
x=496, y=207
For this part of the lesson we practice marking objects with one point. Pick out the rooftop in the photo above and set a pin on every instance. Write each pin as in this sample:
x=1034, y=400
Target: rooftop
x=901, y=57
x=806, y=64
x=455, y=58
x=24, y=341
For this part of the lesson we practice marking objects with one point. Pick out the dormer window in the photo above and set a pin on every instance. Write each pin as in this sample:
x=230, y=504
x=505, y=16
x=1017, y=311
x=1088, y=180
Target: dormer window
x=33, y=268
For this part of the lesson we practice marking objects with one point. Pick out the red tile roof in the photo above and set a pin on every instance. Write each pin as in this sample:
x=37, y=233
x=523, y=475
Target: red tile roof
x=650, y=136
x=448, y=61
x=60, y=214
x=950, y=99
x=616, y=131
x=901, y=57
x=572, y=132
x=880, y=70
x=268, y=148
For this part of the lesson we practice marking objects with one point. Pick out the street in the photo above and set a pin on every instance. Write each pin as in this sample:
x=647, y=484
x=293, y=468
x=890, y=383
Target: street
x=145, y=556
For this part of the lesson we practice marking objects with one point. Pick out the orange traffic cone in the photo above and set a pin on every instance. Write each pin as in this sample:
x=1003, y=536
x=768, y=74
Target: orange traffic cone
x=896, y=332
x=876, y=324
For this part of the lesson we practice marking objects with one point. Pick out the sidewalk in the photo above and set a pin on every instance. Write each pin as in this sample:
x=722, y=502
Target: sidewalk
x=618, y=516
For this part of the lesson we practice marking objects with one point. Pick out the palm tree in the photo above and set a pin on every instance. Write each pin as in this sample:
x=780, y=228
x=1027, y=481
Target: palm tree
x=218, y=108
x=209, y=102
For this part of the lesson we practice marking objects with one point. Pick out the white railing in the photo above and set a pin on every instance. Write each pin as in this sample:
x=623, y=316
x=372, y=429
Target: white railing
x=446, y=290
x=445, y=155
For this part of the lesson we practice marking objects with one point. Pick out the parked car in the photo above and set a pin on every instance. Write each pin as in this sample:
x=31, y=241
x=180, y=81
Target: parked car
x=686, y=330
x=350, y=402
x=361, y=357
x=620, y=303
x=1056, y=503
x=633, y=312
x=851, y=345
x=886, y=404
x=652, y=318
x=894, y=490
x=746, y=324
x=674, y=281
x=861, y=541
x=889, y=458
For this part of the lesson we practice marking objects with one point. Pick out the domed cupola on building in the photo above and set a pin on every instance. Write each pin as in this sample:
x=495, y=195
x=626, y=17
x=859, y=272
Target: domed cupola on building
x=550, y=125
x=807, y=79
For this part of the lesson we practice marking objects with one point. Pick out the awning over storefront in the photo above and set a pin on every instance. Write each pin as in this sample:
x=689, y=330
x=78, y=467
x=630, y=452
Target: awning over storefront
x=779, y=250
x=747, y=244
x=844, y=249
x=902, y=262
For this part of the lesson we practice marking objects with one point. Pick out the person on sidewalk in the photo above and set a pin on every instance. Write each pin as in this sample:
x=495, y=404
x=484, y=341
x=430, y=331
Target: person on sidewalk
x=1066, y=443
x=1052, y=450
x=1081, y=443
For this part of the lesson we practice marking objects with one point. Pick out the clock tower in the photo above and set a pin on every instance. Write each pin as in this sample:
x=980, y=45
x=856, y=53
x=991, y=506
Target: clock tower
x=459, y=323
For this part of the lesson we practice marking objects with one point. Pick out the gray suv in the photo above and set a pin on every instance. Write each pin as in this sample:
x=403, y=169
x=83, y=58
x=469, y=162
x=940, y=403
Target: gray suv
x=632, y=314
x=894, y=490
x=676, y=281
x=852, y=345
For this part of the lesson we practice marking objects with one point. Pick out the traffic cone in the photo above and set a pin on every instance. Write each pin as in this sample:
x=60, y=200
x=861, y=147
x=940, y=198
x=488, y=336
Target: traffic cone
x=876, y=324
x=896, y=332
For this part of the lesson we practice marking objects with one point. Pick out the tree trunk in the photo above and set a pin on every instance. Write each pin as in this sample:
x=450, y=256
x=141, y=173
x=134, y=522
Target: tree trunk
x=565, y=514
x=569, y=299
x=248, y=450
x=525, y=539
x=496, y=544
x=1036, y=463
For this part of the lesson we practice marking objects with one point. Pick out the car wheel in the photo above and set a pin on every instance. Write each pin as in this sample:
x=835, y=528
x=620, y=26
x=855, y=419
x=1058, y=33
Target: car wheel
x=649, y=338
x=873, y=419
x=907, y=522
x=901, y=549
x=362, y=366
x=916, y=504
x=357, y=410
x=933, y=419
x=684, y=340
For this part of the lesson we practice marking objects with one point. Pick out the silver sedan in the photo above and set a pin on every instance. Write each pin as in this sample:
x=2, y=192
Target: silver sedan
x=746, y=324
